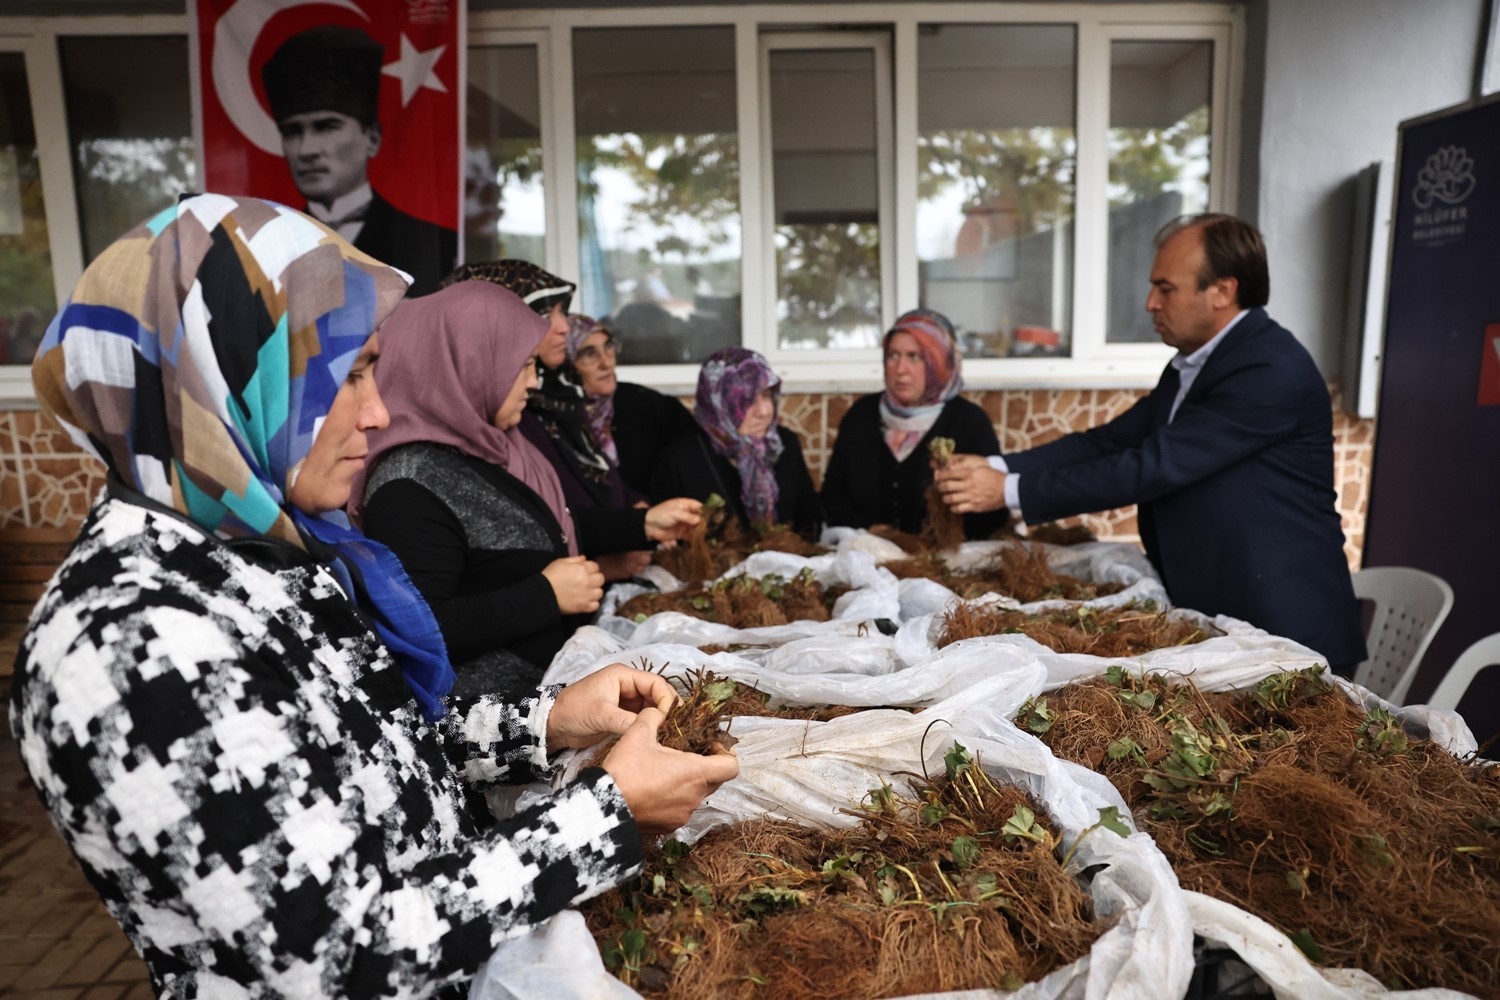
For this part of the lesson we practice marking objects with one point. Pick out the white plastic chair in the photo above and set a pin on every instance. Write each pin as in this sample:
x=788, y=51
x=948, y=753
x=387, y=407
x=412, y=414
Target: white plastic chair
x=1450, y=690
x=1410, y=604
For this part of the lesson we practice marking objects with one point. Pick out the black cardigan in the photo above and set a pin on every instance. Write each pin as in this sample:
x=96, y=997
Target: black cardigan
x=646, y=420
x=865, y=485
x=475, y=539
x=690, y=467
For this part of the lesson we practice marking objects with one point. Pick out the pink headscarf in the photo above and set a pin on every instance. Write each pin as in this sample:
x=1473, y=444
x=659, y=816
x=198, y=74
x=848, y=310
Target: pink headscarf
x=447, y=362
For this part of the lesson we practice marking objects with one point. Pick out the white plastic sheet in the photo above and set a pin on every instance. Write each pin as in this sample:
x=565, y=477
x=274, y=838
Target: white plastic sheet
x=811, y=772
x=1277, y=961
x=872, y=594
x=1092, y=562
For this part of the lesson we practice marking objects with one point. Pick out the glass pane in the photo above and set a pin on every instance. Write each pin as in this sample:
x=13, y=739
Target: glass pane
x=996, y=165
x=132, y=145
x=505, y=213
x=27, y=299
x=827, y=198
x=659, y=188
x=1159, y=96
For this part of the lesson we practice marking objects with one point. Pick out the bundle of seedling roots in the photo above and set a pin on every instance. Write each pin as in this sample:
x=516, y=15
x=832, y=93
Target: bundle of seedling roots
x=1131, y=630
x=957, y=884
x=719, y=541
x=1019, y=570
x=1369, y=847
x=741, y=601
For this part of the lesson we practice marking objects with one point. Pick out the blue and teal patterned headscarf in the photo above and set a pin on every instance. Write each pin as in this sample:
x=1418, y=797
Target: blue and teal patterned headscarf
x=197, y=357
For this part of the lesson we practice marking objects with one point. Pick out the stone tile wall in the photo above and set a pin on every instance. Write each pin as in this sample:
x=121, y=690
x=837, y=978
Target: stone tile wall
x=47, y=483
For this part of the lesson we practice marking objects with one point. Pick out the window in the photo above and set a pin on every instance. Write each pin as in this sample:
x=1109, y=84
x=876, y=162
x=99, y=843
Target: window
x=505, y=212
x=829, y=181
x=27, y=298
x=658, y=180
x=132, y=146
x=731, y=174
x=1159, y=99
x=996, y=182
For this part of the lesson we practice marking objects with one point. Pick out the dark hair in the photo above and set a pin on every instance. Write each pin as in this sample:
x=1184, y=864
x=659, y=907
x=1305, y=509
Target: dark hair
x=1232, y=248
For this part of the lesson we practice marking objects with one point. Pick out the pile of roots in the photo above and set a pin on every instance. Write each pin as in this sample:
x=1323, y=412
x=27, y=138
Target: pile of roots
x=1126, y=631
x=1369, y=847
x=740, y=601
x=1020, y=571
x=718, y=541
x=958, y=886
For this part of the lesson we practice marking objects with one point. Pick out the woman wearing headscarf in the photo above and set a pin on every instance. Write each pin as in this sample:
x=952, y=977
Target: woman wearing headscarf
x=880, y=467
x=475, y=513
x=556, y=419
x=739, y=450
x=231, y=702
x=628, y=422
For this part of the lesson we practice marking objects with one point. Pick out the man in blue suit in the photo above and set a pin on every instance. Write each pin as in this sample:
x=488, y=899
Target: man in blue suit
x=1230, y=457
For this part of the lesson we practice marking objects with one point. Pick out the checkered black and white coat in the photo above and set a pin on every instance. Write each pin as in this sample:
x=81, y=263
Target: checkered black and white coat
x=240, y=768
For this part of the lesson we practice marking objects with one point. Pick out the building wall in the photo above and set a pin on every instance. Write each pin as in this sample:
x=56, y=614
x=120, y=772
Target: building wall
x=47, y=483
x=1326, y=90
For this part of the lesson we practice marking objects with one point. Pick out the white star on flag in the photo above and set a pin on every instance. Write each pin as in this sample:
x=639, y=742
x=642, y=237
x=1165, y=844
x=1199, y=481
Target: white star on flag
x=415, y=70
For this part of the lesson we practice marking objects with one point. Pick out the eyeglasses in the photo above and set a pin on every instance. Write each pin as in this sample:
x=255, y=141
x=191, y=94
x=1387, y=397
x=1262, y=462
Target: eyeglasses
x=593, y=355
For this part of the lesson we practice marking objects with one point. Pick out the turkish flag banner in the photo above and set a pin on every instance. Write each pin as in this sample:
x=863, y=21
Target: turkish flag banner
x=349, y=110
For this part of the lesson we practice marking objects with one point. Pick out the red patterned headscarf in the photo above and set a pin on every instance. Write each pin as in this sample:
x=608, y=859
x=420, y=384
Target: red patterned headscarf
x=905, y=426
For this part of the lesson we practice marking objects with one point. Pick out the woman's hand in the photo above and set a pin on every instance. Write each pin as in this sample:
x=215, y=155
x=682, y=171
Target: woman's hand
x=576, y=583
x=604, y=703
x=671, y=520
x=623, y=565
x=662, y=787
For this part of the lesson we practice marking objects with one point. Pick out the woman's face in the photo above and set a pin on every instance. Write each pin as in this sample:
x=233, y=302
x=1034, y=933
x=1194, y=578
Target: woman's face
x=905, y=372
x=325, y=477
x=554, y=349
x=595, y=362
x=759, y=417
x=509, y=414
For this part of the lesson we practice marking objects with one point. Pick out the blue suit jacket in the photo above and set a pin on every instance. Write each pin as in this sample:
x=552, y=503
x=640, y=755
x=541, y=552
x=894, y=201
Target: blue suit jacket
x=1237, y=505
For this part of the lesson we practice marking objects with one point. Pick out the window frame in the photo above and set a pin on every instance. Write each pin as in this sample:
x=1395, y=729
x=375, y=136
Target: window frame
x=37, y=38
x=880, y=47
x=1094, y=364
x=542, y=41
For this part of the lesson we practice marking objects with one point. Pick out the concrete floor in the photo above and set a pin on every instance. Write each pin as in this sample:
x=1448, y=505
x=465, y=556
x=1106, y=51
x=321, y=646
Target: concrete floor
x=56, y=939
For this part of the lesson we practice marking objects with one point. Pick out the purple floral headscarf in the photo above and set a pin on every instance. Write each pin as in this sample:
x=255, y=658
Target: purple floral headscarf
x=599, y=410
x=727, y=386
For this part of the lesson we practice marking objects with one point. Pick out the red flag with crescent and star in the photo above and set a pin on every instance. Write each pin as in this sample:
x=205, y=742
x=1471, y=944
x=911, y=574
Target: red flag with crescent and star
x=416, y=167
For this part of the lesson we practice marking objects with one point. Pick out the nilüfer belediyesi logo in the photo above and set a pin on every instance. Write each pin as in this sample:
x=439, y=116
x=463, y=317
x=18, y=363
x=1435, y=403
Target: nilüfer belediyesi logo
x=1444, y=182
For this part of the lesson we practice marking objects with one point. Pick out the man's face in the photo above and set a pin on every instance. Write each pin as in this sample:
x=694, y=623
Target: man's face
x=327, y=152
x=1185, y=316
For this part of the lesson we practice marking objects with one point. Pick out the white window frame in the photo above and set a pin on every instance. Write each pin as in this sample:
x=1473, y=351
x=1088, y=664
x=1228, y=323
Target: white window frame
x=1092, y=253
x=1094, y=364
x=543, y=42
x=38, y=39
x=879, y=44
